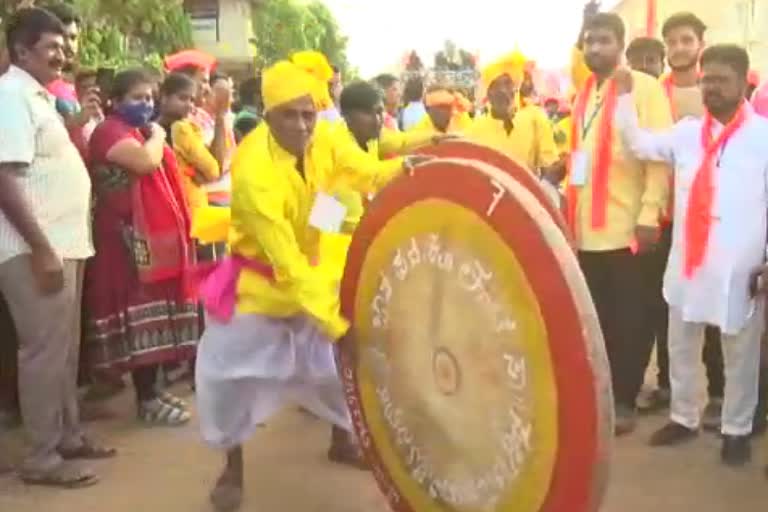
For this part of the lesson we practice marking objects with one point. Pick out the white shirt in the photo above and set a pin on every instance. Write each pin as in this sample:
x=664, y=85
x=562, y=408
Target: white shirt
x=331, y=115
x=718, y=292
x=413, y=113
x=55, y=179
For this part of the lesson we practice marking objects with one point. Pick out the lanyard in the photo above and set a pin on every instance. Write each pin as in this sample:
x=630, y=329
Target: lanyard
x=585, y=127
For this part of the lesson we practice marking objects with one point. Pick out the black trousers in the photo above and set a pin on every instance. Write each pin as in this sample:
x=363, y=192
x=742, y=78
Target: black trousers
x=9, y=397
x=653, y=265
x=616, y=284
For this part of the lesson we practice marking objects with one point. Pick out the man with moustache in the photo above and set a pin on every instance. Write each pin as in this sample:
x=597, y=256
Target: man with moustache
x=523, y=134
x=614, y=202
x=44, y=242
x=646, y=54
x=718, y=240
x=76, y=111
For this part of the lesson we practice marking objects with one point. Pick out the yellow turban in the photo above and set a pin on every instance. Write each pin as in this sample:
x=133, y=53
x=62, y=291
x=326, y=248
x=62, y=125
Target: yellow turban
x=317, y=65
x=285, y=82
x=512, y=65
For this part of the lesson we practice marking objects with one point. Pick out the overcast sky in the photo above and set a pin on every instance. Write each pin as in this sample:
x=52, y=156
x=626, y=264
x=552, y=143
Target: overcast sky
x=381, y=31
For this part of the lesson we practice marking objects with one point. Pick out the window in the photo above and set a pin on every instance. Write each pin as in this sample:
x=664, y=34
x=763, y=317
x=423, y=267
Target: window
x=204, y=16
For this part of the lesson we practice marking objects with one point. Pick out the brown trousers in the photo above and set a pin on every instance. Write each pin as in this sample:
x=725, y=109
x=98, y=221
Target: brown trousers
x=48, y=330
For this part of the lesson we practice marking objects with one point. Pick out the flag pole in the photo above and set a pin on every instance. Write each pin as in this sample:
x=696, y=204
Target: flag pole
x=650, y=18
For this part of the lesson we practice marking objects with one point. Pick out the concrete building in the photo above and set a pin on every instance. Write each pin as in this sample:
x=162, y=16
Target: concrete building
x=744, y=22
x=224, y=29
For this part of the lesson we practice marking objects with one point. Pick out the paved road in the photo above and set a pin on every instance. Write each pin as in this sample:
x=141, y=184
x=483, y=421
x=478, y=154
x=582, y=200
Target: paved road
x=168, y=470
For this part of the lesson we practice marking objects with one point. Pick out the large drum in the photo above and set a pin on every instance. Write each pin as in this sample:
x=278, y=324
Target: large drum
x=474, y=151
x=481, y=382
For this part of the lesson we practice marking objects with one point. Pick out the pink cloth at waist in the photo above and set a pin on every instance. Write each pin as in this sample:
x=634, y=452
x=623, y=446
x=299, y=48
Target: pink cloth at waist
x=217, y=283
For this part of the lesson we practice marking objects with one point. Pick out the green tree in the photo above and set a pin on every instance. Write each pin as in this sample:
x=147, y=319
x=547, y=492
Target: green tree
x=118, y=33
x=283, y=27
x=330, y=41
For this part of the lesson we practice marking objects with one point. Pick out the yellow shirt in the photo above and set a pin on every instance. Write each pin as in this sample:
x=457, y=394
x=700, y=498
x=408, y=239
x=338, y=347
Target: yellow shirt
x=580, y=72
x=192, y=154
x=563, y=135
x=531, y=140
x=458, y=124
x=271, y=203
x=637, y=191
x=334, y=246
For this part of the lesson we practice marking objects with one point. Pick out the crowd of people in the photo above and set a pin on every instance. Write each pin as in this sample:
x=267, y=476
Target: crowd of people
x=156, y=221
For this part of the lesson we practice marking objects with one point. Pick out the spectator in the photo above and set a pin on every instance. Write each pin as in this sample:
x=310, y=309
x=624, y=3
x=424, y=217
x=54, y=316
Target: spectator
x=413, y=97
x=250, y=113
x=390, y=86
x=141, y=315
x=44, y=241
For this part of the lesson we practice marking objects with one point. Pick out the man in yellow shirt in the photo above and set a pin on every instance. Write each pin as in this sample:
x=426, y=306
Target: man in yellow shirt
x=524, y=135
x=614, y=203
x=362, y=132
x=273, y=315
x=446, y=112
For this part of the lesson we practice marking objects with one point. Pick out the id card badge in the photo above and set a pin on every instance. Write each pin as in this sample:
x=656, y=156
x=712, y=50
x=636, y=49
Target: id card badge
x=327, y=213
x=579, y=168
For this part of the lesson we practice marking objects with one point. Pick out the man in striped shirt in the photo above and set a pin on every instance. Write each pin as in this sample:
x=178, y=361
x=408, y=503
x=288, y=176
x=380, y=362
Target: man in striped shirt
x=45, y=195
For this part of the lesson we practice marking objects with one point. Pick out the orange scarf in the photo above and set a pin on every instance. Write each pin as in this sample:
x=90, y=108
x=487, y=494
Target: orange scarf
x=669, y=86
x=698, y=217
x=603, y=154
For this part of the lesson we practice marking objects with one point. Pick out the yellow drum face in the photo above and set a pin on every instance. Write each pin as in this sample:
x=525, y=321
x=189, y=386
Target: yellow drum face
x=458, y=393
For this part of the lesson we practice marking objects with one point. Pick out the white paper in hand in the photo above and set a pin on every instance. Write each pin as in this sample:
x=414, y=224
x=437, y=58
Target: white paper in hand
x=327, y=213
x=579, y=168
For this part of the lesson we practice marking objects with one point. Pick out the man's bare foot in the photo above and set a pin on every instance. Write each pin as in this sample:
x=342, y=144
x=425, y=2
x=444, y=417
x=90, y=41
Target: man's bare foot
x=227, y=495
x=344, y=450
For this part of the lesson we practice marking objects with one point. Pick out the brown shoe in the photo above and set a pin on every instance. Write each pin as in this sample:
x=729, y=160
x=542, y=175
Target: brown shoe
x=672, y=434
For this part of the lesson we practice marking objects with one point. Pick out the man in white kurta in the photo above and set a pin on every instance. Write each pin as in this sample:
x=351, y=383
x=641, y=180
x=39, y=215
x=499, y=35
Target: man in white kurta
x=718, y=293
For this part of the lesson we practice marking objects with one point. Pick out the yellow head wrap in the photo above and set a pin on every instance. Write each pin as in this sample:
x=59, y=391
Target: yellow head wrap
x=285, y=82
x=317, y=65
x=512, y=65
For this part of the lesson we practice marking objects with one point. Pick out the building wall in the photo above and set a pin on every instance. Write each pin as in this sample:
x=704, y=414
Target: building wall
x=223, y=28
x=744, y=22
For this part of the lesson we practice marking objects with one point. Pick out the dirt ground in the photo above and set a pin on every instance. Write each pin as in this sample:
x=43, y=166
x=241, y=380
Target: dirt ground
x=169, y=470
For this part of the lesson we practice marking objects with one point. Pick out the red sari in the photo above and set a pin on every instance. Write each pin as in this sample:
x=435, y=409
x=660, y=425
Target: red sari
x=140, y=311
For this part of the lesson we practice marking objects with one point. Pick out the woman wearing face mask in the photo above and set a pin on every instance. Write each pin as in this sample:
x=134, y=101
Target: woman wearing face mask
x=141, y=314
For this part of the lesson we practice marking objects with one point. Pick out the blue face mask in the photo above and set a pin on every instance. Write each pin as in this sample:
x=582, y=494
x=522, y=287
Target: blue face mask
x=136, y=113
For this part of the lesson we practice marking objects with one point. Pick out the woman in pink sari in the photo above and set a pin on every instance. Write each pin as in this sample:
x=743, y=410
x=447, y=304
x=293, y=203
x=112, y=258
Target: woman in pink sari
x=141, y=312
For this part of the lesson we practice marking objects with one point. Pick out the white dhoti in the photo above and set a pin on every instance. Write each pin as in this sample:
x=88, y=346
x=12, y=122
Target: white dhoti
x=253, y=366
x=741, y=355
